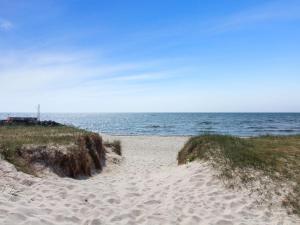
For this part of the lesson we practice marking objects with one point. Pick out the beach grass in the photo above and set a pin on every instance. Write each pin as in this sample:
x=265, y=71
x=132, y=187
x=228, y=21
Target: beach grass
x=14, y=137
x=267, y=157
x=115, y=145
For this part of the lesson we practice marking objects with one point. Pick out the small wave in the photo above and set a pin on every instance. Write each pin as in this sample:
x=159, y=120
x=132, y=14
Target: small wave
x=270, y=120
x=153, y=126
x=159, y=126
x=286, y=130
x=245, y=122
x=263, y=127
x=275, y=130
x=255, y=127
x=272, y=127
x=207, y=123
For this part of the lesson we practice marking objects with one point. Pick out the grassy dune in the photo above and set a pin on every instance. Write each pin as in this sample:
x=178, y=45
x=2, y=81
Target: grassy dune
x=251, y=159
x=68, y=150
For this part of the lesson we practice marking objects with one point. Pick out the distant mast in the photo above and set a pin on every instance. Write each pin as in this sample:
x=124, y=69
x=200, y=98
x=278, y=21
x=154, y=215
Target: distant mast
x=38, y=113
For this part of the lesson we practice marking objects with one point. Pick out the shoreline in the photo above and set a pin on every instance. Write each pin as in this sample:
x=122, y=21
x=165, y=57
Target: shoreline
x=195, y=135
x=145, y=136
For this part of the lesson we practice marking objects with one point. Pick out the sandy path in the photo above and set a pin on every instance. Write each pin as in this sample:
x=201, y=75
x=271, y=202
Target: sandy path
x=147, y=188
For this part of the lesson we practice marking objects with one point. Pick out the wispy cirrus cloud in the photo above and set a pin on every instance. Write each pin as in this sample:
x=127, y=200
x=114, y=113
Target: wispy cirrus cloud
x=6, y=25
x=24, y=71
x=72, y=77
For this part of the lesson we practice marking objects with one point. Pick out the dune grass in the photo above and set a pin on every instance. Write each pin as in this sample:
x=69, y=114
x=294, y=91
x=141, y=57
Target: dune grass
x=14, y=137
x=115, y=146
x=273, y=157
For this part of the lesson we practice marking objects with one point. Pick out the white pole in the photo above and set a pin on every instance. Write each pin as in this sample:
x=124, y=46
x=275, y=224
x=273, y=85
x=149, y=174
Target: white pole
x=38, y=113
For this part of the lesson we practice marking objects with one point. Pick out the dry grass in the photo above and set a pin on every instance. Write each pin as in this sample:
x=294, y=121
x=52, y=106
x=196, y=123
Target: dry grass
x=273, y=157
x=115, y=146
x=68, y=151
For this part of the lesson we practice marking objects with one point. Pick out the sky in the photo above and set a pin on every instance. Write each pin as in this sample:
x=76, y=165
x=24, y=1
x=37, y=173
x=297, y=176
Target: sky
x=150, y=56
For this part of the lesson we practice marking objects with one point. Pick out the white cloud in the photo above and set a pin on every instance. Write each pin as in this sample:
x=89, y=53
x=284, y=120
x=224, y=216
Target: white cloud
x=66, y=78
x=6, y=25
x=35, y=72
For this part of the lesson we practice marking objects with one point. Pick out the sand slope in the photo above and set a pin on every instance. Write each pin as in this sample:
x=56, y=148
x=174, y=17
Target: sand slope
x=147, y=188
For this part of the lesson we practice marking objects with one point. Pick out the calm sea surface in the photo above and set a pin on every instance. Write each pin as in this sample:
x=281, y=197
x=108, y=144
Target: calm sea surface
x=241, y=124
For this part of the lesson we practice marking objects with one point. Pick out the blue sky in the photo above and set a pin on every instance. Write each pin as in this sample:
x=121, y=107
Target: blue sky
x=150, y=56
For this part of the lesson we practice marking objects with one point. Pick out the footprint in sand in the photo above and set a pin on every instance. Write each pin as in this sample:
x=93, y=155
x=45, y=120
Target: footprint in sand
x=136, y=212
x=17, y=217
x=224, y=222
x=120, y=217
x=96, y=222
x=113, y=201
x=130, y=195
x=152, y=202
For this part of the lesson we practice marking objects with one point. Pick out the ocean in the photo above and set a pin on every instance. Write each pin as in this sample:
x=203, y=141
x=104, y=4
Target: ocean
x=174, y=124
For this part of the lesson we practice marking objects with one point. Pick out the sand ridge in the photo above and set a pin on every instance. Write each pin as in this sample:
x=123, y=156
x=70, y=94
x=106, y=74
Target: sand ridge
x=146, y=188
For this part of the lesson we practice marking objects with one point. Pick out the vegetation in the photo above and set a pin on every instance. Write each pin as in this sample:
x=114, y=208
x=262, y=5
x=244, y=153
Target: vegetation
x=68, y=151
x=265, y=158
x=115, y=146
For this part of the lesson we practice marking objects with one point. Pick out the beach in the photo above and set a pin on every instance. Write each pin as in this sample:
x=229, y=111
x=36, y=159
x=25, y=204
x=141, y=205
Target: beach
x=145, y=187
x=149, y=112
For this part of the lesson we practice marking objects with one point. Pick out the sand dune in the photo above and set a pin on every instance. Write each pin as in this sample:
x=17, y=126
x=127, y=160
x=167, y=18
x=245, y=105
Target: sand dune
x=146, y=188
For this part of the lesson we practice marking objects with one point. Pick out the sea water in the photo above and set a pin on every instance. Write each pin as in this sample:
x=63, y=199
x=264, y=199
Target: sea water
x=172, y=124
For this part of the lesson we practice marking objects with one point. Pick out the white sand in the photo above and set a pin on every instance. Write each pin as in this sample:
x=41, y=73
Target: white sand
x=147, y=188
